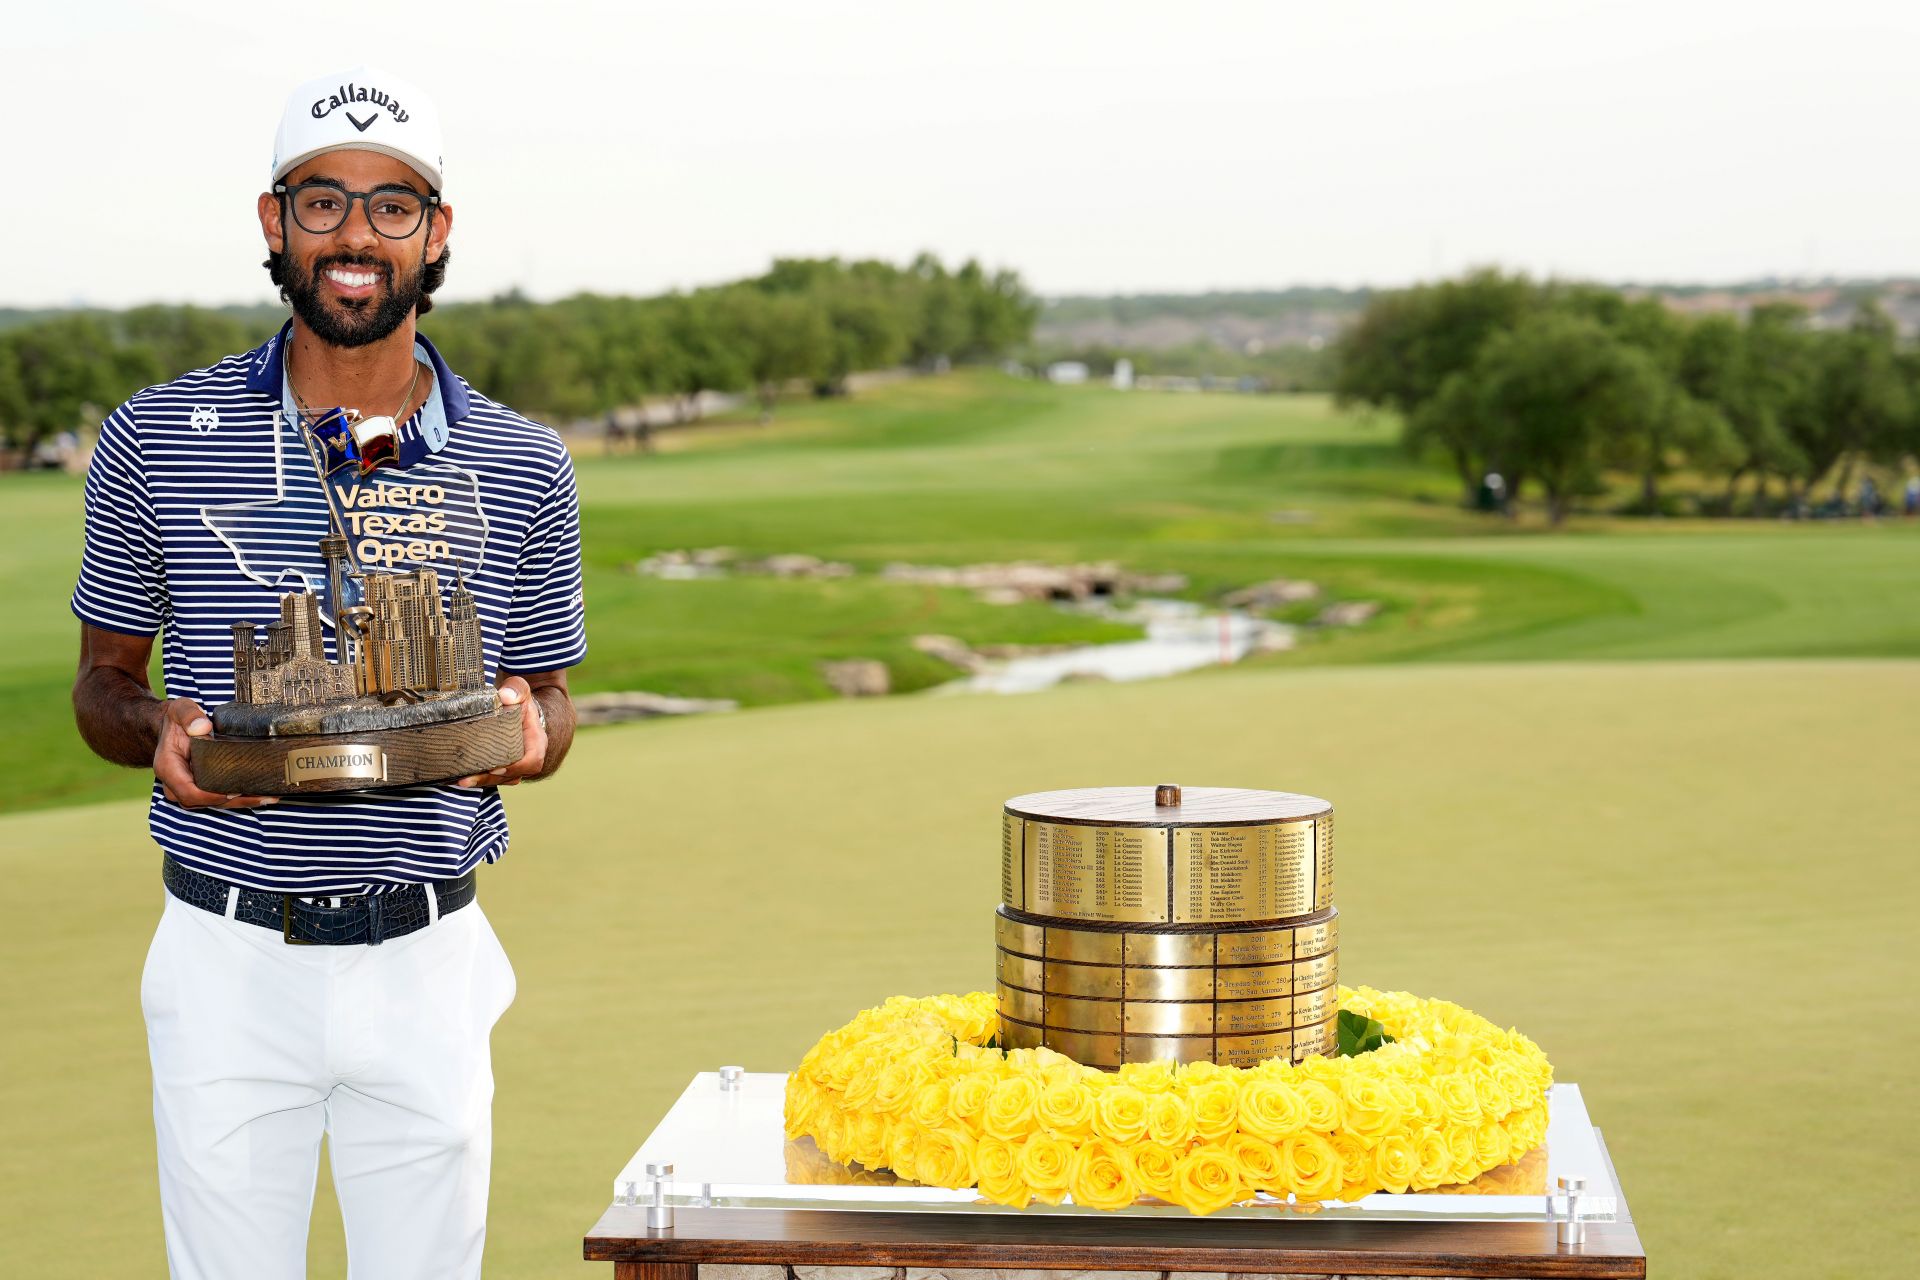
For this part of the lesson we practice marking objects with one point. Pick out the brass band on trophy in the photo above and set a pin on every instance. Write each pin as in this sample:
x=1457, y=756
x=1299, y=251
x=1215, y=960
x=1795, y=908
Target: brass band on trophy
x=1170, y=868
x=1152, y=923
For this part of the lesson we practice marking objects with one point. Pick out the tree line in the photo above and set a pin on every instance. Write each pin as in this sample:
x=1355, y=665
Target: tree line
x=814, y=321
x=1554, y=385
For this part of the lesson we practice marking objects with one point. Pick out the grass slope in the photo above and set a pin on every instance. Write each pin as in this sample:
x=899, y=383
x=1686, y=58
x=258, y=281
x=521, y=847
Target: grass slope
x=978, y=467
x=1690, y=882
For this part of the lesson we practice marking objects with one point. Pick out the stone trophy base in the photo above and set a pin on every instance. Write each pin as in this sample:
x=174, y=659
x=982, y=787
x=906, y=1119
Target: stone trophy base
x=362, y=745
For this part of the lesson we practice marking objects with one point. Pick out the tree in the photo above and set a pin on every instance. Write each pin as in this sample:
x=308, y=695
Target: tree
x=782, y=336
x=63, y=374
x=1858, y=402
x=1752, y=375
x=1555, y=395
x=1406, y=345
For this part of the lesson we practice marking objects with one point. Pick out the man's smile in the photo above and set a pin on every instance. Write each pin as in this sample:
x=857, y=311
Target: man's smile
x=352, y=282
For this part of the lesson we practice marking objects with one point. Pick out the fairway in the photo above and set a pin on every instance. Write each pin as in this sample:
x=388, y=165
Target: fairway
x=1642, y=789
x=1689, y=882
x=1227, y=490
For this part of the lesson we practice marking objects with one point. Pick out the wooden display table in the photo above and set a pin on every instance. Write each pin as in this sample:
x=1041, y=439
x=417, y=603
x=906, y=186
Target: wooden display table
x=740, y=1211
x=760, y=1244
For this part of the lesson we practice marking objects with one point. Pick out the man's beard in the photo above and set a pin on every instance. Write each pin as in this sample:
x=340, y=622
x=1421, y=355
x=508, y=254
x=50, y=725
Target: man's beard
x=351, y=322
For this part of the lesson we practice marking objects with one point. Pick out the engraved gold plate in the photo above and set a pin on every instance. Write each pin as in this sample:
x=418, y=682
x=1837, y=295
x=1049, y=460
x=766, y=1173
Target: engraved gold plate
x=1169, y=949
x=1169, y=1048
x=1019, y=971
x=1074, y=1014
x=1247, y=1017
x=1315, y=1006
x=1019, y=1035
x=337, y=762
x=1086, y=1049
x=1227, y=874
x=1095, y=873
x=1323, y=862
x=1012, y=868
x=1170, y=984
x=1248, y=1051
x=1256, y=946
x=1019, y=937
x=1317, y=1039
x=1310, y=975
x=1257, y=982
x=1168, y=1018
x=1096, y=981
x=1027, y=1006
x=1083, y=946
x=1316, y=939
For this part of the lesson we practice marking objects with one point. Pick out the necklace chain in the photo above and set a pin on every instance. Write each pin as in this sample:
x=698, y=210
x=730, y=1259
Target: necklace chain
x=307, y=411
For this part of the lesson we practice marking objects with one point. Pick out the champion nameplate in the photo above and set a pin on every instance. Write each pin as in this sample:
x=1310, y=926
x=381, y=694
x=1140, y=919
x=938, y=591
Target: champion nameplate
x=358, y=761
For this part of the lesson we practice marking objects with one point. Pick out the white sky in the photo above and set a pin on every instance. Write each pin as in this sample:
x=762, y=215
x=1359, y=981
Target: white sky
x=1177, y=145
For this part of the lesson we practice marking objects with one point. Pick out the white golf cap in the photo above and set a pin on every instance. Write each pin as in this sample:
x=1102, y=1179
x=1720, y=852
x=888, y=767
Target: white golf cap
x=360, y=110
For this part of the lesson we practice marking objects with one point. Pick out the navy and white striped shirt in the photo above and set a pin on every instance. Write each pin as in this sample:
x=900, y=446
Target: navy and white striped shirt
x=203, y=507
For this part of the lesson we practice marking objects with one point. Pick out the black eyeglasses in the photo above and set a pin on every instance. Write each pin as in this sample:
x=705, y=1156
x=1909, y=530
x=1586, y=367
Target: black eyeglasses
x=323, y=207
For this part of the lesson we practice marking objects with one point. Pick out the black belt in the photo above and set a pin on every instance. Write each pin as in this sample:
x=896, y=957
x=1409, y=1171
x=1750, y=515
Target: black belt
x=324, y=921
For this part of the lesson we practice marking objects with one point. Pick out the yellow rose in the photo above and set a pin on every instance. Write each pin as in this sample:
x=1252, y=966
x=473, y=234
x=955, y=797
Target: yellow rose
x=903, y=1147
x=859, y=1090
x=1120, y=1114
x=1258, y=1162
x=867, y=1137
x=945, y=1159
x=1009, y=1112
x=1154, y=1167
x=1148, y=1077
x=1207, y=1180
x=1102, y=1177
x=1370, y=1108
x=967, y=1097
x=1271, y=1109
x=997, y=1167
x=1066, y=1107
x=1046, y=1163
x=1490, y=1145
x=893, y=1085
x=1169, y=1120
x=1465, y=1166
x=1461, y=1105
x=1324, y=1112
x=1356, y=1164
x=1312, y=1168
x=1216, y=1107
x=1435, y=1159
x=928, y=1106
x=1395, y=1162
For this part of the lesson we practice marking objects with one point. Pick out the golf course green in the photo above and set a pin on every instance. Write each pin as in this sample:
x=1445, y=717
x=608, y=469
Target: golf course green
x=1642, y=789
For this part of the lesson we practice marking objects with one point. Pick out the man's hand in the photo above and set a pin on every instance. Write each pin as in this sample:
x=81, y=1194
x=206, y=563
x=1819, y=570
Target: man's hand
x=532, y=761
x=181, y=722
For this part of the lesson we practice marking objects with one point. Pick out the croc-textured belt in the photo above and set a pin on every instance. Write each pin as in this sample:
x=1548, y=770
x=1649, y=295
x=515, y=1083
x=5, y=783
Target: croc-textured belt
x=338, y=921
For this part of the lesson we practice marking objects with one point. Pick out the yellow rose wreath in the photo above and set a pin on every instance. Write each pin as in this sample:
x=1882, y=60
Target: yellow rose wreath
x=916, y=1087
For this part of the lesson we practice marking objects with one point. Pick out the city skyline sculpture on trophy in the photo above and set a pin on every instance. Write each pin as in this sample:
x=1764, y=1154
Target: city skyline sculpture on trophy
x=407, y=700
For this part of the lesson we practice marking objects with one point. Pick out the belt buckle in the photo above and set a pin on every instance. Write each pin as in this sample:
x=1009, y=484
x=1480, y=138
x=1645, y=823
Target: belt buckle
x=286, y=923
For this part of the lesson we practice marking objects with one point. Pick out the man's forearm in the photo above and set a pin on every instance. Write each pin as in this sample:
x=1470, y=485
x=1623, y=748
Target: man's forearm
x=118, y=716
x=558, y=706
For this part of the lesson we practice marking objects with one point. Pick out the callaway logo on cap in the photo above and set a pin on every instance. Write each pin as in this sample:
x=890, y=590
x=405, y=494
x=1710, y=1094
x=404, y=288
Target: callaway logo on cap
x=364, y=110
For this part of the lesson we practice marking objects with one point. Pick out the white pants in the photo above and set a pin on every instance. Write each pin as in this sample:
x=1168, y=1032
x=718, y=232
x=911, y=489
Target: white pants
x=260, y=1047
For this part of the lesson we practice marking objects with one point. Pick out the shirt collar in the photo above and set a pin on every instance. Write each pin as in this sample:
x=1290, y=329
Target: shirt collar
x=266, y=372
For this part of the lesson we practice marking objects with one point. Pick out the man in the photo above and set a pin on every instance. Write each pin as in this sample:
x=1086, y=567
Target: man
x=203, y=505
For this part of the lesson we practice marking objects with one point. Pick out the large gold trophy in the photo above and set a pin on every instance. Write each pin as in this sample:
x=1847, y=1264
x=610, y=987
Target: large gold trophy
x=1143, y=924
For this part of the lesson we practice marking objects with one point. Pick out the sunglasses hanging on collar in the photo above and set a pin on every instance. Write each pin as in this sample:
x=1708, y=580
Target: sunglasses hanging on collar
x=349, y=440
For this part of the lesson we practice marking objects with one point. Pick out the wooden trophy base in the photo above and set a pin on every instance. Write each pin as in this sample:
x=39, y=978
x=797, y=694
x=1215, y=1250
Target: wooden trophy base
x=367, y=759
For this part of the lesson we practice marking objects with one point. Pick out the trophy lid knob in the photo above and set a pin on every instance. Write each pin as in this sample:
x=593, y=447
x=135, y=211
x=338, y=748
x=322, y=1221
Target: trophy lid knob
x=1166, y=795
x=658, y=1169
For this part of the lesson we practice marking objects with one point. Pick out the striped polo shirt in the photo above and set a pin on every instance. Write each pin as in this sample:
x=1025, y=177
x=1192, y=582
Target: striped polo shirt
x=203, y=506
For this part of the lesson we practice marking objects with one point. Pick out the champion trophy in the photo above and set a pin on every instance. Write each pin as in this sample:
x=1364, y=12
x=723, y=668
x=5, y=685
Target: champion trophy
x=406, y=702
